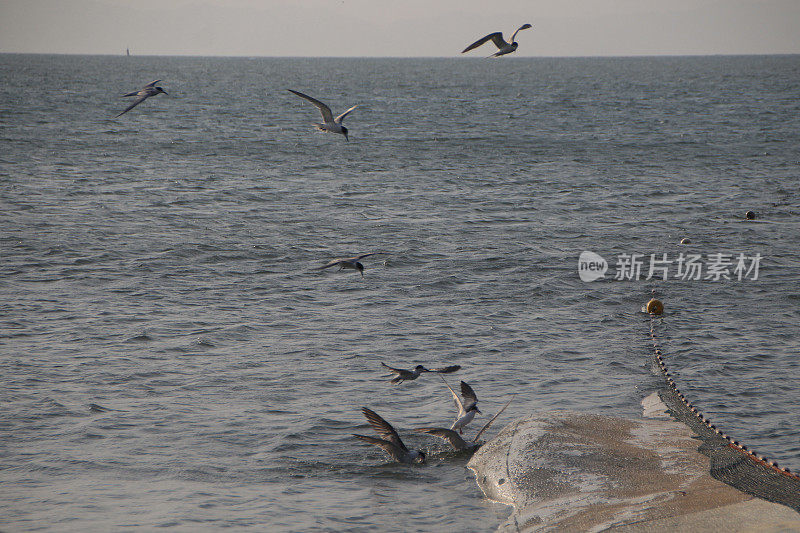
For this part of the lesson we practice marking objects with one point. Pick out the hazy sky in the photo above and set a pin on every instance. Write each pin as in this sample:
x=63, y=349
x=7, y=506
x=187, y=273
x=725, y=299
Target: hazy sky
x=398, y=27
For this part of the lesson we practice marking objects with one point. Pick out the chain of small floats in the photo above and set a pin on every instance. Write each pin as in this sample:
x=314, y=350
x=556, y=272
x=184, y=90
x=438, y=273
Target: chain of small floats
x=732, y=443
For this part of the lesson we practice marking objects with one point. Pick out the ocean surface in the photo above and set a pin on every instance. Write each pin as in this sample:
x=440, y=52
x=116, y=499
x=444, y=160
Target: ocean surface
x=170, y=357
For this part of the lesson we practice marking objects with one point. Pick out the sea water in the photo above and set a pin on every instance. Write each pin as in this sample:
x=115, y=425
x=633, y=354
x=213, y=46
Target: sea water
x=170, y=357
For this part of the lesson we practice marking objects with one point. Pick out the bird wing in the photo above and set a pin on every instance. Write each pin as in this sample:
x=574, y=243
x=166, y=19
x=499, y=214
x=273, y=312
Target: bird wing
x=333, y=262
x=523, y=27
x=446, y=369
x=456, y=399
x=468, y=394
x=362, y=256
x=387, y=446
x=151, y=84
x=340, y=118
x=383, y=428
x=392, y=369
x=327, y=116
x=489, y=423
x=400, y=373
x=134, y=104
x=447, y=434
x=496, y=38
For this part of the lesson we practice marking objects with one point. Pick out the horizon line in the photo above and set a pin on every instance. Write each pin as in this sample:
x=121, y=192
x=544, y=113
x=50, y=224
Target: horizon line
x=517, y=57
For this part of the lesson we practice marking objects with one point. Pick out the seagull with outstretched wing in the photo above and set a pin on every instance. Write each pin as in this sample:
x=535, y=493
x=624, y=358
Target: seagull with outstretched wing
x=353, y=263
x=401, y=374
x=143, y=94
x=455, y=439
x=466, y=409
x=389, y=440
x=503, y=47
x=329, y=123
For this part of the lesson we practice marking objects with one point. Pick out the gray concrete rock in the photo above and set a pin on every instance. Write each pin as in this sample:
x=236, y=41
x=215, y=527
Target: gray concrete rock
x=566, y=471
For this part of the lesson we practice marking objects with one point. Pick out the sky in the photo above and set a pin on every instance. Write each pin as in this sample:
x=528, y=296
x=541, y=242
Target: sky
x=398, y=28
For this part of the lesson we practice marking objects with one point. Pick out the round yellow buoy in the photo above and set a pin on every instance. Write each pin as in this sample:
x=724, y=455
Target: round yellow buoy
x=686, y=240
x=654, y=307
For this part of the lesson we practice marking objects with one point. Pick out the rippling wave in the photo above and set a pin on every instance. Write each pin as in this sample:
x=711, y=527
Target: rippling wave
x=172, y=358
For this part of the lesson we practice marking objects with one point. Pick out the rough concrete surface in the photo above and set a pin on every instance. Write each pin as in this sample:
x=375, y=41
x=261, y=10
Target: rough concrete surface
x=581, y=472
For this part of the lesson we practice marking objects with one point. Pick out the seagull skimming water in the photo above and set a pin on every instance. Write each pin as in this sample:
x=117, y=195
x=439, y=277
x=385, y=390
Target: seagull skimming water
x=401, y=374
x=347, y=262
x=146, y=92
x=390, y=441
x=329, y=124
x=497, y=38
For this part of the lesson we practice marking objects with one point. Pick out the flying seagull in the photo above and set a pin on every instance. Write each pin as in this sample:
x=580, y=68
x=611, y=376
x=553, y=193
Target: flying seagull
x=147, y=91
x=390, y=441
x=466, y=409
x=455, y=439
x=347, y=262
x=497, y=38
x=401, y=375
x=330, y=124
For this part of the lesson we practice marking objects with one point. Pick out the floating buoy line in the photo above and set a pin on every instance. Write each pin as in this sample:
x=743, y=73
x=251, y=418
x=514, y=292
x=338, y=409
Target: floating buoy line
x=732, y=443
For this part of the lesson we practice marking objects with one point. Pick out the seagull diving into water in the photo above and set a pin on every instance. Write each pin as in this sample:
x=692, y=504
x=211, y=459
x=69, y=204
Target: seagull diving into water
x=147, y=91
x=401, y=375
x=466, y=409
x=329, y=124
x=348, y=262
x=455, y=439
x=390, y=441
x=497, y=38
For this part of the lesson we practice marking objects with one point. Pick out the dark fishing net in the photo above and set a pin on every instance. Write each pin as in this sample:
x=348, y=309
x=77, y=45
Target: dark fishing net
x=731, y=462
